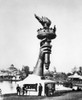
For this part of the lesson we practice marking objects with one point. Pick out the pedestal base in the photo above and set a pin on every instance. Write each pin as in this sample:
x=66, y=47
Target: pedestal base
x=34, y=79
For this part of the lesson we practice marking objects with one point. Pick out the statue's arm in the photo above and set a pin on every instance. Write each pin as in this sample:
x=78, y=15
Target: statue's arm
x=38, y=70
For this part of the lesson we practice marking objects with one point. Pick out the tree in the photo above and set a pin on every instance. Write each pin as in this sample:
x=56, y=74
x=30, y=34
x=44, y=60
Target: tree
x=80, y=70
x=54, y=69
x=25, y=69
x=68, y=74
x=61, y=76
x=74, y=70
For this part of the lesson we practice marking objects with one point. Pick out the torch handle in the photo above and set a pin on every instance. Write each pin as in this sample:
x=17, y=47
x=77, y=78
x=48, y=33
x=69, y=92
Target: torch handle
x=47, y=60
x=45, y=44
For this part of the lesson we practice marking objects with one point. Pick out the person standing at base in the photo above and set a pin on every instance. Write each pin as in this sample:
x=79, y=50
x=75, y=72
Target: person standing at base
x=18, y=88
x=40, y=90
x=0, y=92
x=47, y=90
x=23, y=90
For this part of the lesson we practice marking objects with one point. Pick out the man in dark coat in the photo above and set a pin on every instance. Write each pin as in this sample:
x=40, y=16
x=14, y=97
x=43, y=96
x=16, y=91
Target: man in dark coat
x=40, y=90
x=18, y=89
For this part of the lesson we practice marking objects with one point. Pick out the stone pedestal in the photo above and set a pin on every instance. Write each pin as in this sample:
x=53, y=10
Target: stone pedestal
x=34, y=79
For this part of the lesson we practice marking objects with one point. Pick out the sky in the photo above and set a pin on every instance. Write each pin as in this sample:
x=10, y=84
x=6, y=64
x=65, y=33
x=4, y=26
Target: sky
x=19, y=44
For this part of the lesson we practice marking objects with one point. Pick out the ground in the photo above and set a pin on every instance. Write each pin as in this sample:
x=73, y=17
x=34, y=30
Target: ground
x=58, y=96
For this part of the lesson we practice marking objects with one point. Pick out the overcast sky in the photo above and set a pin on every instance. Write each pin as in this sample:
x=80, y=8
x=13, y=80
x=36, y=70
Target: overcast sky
x=18, y=32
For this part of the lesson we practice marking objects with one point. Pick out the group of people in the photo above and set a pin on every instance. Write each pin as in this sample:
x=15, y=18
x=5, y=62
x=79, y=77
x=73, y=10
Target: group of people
x=24, y=90
x=49, y=90
x=20, y=90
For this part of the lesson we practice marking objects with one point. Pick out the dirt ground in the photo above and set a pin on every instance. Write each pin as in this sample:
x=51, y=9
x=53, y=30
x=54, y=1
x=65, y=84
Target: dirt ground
x=58, y=96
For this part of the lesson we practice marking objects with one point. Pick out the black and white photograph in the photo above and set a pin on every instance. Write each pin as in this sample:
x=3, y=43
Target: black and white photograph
x=40, y=49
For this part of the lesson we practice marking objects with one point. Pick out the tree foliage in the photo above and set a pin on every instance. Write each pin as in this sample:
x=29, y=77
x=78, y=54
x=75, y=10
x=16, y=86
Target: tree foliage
x=25, y=69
